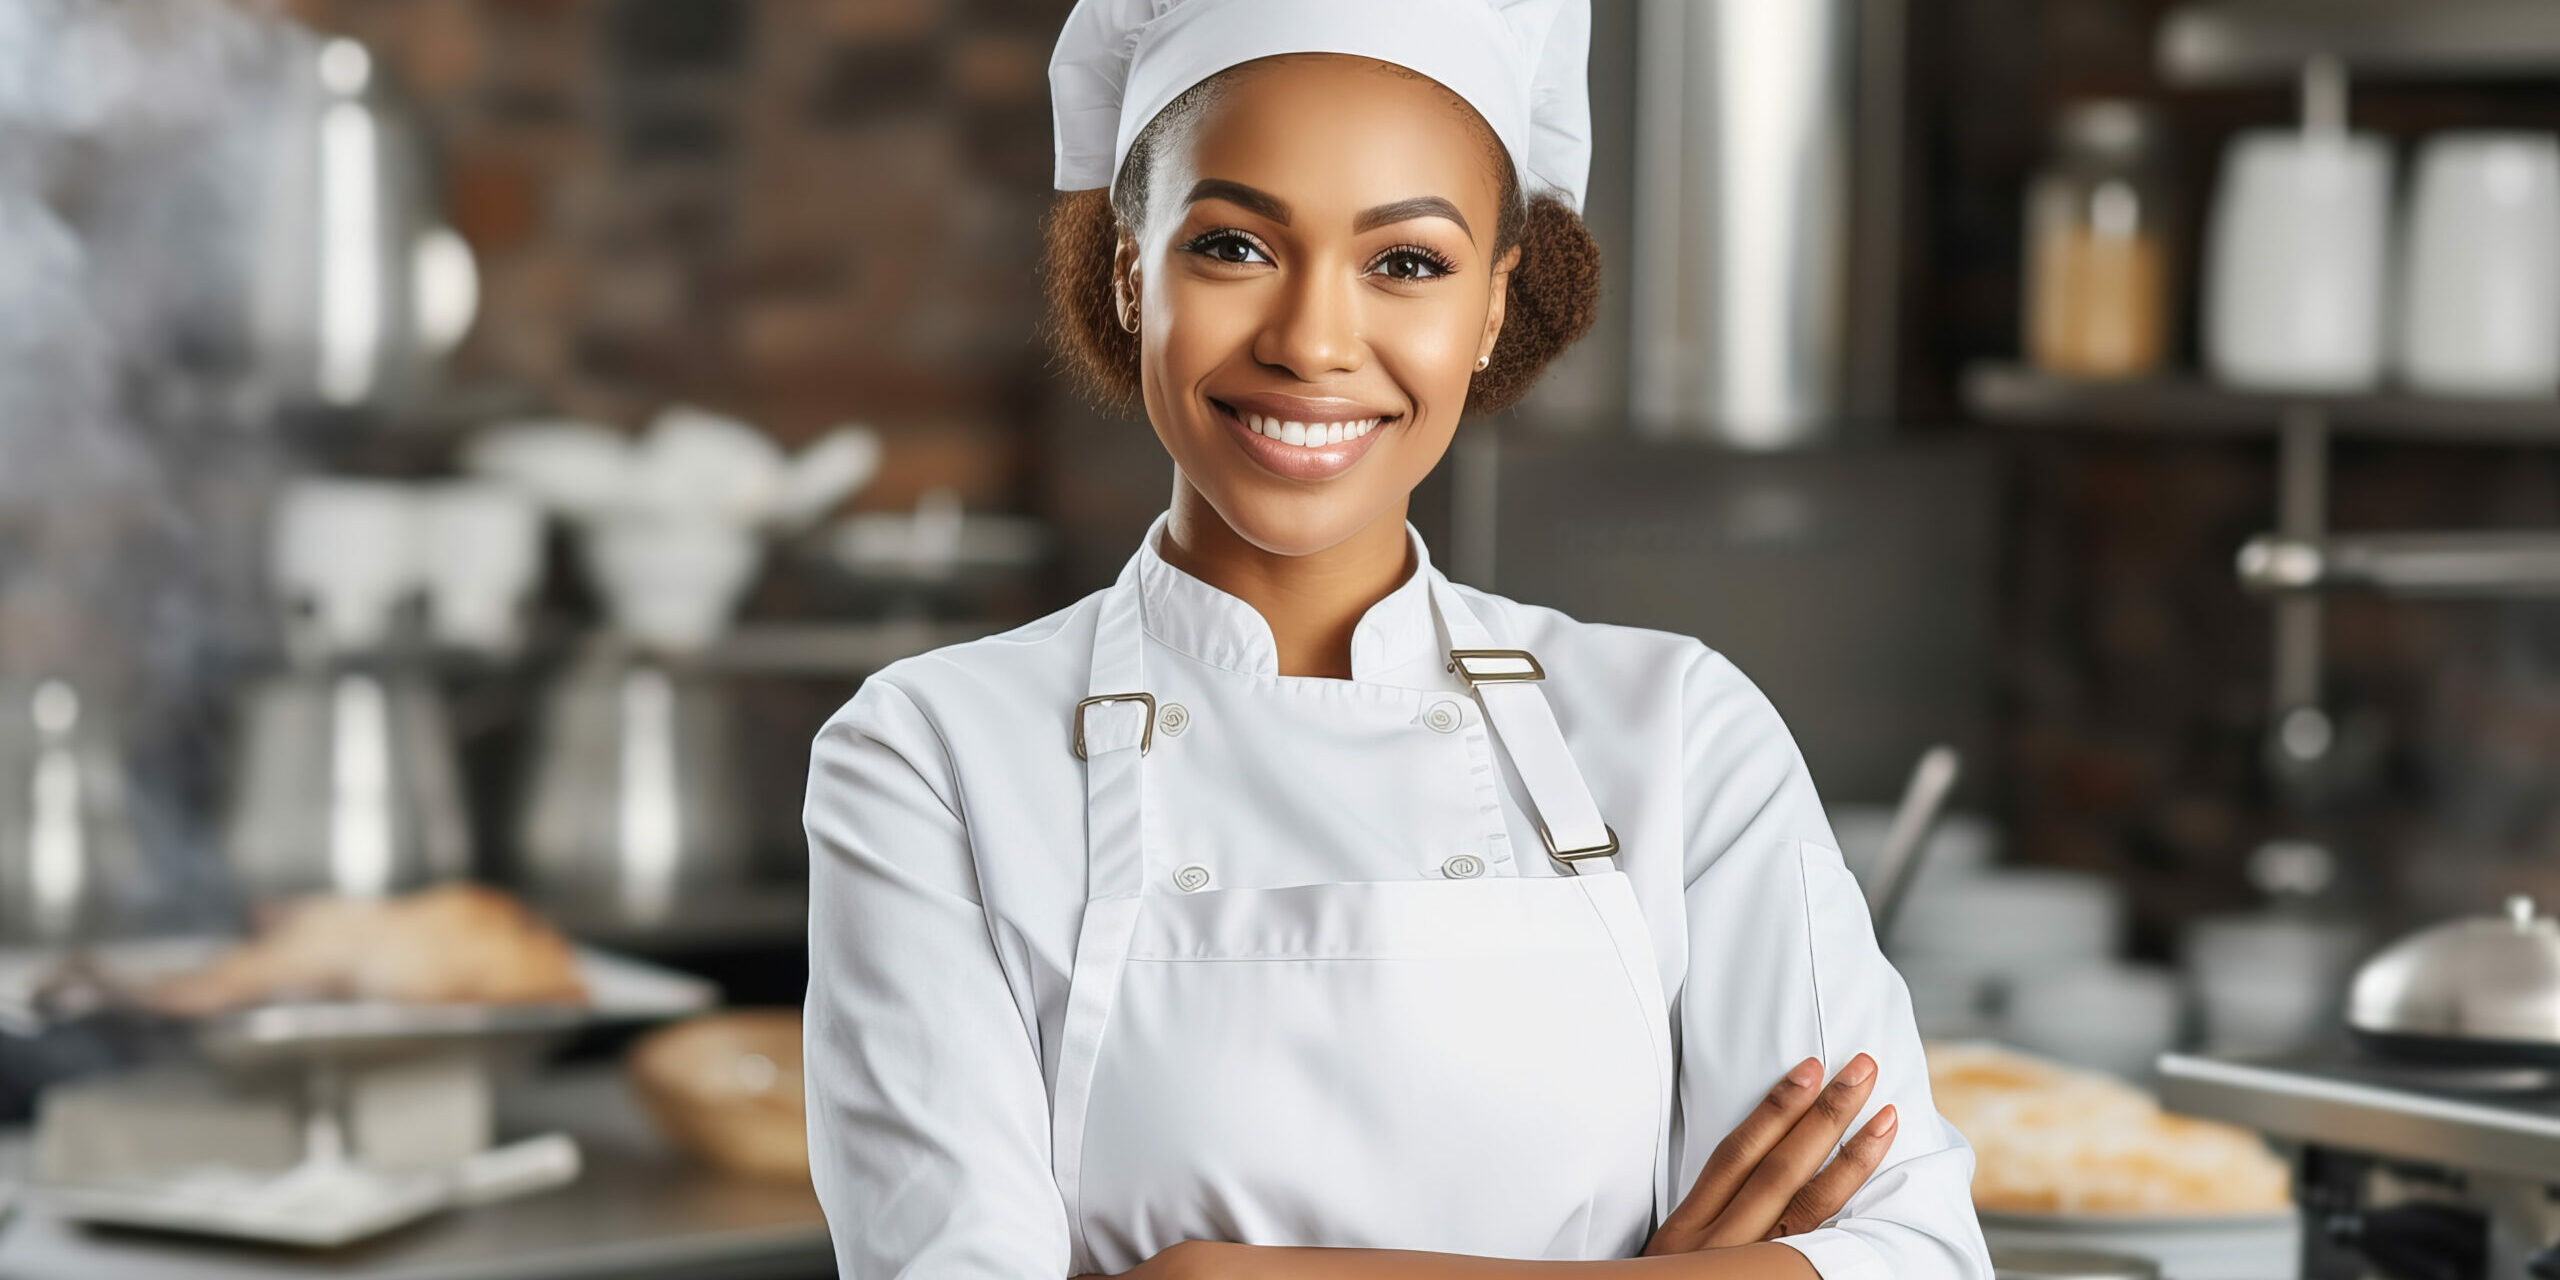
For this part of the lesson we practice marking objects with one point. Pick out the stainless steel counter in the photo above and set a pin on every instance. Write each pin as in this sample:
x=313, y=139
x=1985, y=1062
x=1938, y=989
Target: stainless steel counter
x=2319, y=1099
x=638, y=1212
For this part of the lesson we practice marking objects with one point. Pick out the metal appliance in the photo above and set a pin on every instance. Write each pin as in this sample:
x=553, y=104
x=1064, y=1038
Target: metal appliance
x=68, y=858
x=638, y=803
x=346, y=783
x=2402, y=1171
x=2479, y=991
x=359, y=288
x=1766, y=163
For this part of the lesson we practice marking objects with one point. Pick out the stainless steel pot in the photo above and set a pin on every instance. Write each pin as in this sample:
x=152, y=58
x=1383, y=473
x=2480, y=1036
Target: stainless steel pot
x=68, y=858
x=637, y=803
x=2477, y=990
x=360, y=288
x=347, y=783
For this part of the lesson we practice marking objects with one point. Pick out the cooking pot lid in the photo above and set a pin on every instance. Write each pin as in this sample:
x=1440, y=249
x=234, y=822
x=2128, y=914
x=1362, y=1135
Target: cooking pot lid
x=2493, y=981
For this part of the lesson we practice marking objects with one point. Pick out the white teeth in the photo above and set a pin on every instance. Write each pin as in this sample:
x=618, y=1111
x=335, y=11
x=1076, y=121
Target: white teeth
x=1309, y=435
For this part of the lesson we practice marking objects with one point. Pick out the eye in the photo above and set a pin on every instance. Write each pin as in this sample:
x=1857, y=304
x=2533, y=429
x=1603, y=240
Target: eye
x=1227, y=245
x=1411, y=262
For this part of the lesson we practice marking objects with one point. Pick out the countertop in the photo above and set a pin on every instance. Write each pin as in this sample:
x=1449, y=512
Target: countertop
x=638, y=1211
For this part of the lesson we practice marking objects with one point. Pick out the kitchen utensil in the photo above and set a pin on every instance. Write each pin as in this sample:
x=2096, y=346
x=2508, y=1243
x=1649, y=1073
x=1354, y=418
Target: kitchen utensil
x=68, y=860
x=2476, y=990
x=345, y=782
x=324, y=1202
x=360, y=288
x=670, y=580
x=2274, y=979
x=2268, y=981
x=1961, y=844
x=2014, y=918
x=636, y=798
x=575, y=469
x=2107, y=1016
x=2297, y=249
x=823, y=474
x=1745, y=116
x=343, y=556
x=2480, y=287
x=726, y=1089
x=1962, y=941
x=1922, y=798
x=479, y=552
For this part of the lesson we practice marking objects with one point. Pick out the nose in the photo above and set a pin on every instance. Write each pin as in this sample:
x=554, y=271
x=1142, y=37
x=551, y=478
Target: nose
x=1314, y=328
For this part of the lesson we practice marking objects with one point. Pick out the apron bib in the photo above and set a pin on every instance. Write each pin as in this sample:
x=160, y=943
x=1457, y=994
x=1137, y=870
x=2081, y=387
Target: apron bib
x=1467, y=1065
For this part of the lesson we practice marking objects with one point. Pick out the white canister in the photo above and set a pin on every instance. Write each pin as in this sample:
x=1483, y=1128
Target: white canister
x=2297, y=267
x=2480, y=282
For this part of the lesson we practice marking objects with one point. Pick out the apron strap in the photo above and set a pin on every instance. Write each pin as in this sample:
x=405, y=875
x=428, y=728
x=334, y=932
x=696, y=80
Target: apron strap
x=1114, y=727
x=1505, y=684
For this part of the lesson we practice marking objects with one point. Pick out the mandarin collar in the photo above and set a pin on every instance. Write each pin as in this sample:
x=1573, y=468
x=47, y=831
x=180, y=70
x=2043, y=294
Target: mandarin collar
x=1220, y=629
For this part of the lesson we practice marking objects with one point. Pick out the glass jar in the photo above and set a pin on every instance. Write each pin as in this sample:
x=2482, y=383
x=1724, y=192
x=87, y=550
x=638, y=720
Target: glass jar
x=2097, y=270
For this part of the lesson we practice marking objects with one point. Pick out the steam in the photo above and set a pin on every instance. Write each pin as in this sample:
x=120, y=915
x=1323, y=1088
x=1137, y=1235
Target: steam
x=117, y=119
x=133, y=459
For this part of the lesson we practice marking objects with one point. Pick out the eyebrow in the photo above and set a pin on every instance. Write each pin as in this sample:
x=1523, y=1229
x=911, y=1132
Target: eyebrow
x=1264, y=204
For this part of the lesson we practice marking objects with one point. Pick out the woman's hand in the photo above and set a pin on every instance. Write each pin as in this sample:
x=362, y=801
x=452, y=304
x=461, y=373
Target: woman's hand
x=1190, y=1260
x=1767, y=1178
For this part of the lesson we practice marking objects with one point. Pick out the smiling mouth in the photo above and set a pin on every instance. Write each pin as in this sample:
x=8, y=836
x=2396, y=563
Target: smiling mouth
x=1301, y=450
x=1313, y=435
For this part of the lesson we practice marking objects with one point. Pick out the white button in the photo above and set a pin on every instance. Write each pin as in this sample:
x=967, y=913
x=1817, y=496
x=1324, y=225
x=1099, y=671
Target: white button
x=1191, y=879
x=1462, y=866
x=1444, y=716
x=1173, y=718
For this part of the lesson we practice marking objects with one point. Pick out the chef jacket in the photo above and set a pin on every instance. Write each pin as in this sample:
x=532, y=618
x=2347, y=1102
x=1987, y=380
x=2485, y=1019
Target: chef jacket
x=948, y=880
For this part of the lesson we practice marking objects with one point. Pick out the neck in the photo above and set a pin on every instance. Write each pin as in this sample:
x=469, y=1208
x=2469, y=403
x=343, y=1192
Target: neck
x=1311, y=602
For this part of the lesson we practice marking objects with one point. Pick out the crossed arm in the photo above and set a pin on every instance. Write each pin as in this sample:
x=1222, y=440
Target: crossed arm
x=1768, y=1178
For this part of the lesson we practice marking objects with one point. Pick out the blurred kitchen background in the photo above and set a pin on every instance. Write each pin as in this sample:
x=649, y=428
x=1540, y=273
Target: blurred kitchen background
x=481, y=440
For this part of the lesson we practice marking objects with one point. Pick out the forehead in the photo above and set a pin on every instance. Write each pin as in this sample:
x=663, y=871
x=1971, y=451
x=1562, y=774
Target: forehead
x=1335, y=132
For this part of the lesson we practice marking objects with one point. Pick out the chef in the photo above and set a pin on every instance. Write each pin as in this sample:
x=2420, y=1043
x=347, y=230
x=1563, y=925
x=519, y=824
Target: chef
x=1287, y=909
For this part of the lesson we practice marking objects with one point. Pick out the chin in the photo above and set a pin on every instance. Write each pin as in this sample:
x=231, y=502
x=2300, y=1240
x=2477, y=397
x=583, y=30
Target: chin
x=1295, y=523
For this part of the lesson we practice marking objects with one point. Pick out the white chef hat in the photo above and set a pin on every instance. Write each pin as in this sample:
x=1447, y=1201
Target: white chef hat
x=1519, y=63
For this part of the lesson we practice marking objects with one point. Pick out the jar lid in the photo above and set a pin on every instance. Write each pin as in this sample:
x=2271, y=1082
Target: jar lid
x=2118, y=129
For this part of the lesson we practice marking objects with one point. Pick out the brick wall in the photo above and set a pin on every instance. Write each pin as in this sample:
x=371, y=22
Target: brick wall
x=797, y=210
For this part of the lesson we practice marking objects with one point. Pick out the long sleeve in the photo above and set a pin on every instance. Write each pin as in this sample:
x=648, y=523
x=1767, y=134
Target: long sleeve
x=1783, y=965
x=928, y=1119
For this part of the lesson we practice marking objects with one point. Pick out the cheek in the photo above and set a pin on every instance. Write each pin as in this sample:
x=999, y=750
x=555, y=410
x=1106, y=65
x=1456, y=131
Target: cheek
x=1201, y=329
x=1429, y=345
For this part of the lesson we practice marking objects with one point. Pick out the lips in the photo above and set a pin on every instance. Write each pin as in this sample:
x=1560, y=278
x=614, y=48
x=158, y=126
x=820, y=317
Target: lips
x=1299, y=439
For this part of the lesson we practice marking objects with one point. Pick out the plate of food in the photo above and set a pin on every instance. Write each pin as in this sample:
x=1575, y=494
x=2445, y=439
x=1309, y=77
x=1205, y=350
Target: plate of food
x=332, y=975
x=2072, y=1159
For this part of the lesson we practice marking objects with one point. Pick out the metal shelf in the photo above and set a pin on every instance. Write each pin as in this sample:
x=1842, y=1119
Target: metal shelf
x=2019, y=397
x=2466, y=565
x=2265, y=41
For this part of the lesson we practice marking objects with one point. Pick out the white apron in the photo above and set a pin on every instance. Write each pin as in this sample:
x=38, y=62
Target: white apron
x=1469, y=1063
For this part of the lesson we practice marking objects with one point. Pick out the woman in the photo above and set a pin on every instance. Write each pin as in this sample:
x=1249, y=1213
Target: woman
x=1286, y=894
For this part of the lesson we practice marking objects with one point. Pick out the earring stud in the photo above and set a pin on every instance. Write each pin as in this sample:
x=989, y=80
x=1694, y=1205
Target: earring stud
x=1482, y=361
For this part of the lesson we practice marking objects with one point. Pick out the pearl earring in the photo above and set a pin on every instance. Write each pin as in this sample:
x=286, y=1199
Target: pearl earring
x=1482, y=361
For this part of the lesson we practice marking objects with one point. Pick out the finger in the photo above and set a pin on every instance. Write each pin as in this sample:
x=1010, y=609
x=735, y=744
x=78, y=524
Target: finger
x=1797, y=1157
x=1830, y=1189
x=1734, y=1158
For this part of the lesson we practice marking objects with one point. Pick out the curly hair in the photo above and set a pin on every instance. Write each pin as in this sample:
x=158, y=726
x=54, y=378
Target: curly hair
x=1554, y=290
